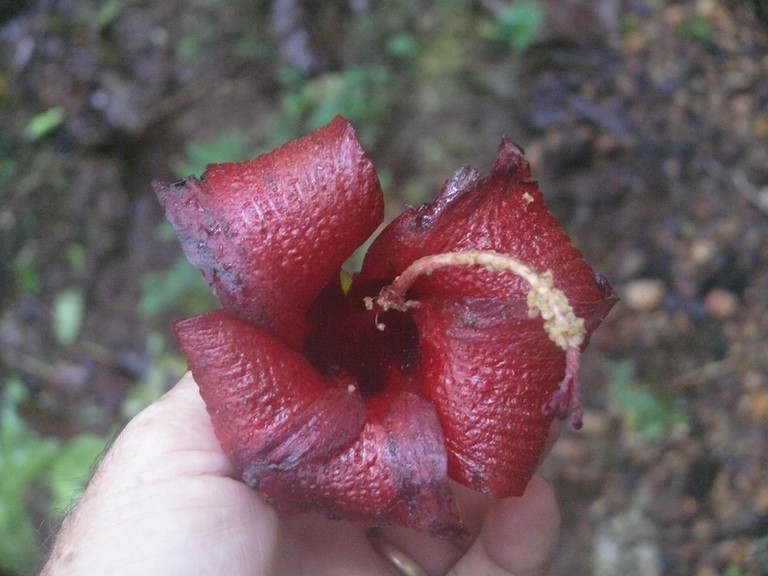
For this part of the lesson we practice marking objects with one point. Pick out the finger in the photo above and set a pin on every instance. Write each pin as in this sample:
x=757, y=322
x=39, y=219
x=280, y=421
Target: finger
x=437, y=555
x=433, y=555
x=321, y=547
x=519, y=535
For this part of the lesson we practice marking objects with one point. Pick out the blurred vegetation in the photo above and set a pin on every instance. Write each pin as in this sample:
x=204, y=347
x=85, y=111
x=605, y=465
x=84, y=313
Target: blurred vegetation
x=30, y=463
x=361, y=93
x=228, y=146
x=650, y=413
x=44, y=123
x=517, y=25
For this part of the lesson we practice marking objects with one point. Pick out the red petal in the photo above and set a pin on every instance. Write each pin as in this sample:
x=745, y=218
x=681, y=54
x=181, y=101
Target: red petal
x=394, y=473
x=488, y=368
x=504, y=212
x=269, y=408
x=270, y=233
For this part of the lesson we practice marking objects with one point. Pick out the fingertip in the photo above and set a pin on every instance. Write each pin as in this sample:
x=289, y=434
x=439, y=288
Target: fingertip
x=521, y=534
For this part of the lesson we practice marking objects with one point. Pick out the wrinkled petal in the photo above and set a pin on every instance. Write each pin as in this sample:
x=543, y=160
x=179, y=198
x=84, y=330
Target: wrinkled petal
x=269, y=408
x=269, y=234
x=504, y=212
x=394, y=473
x=487, y=367
x=307, y=442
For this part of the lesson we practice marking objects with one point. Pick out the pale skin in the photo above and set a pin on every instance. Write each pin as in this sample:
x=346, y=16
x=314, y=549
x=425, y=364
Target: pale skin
x=165, y=500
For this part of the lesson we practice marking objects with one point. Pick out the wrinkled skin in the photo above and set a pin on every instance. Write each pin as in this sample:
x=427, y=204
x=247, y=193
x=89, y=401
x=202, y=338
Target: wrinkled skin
x=326, y=404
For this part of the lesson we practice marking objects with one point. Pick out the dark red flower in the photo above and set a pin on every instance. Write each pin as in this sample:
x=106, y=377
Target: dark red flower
x=448, y=356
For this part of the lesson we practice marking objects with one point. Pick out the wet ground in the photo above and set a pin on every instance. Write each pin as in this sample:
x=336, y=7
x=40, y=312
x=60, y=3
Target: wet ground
x=646, y=124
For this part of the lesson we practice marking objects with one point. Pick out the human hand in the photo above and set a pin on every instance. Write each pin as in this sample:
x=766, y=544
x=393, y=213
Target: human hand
x=165, y=500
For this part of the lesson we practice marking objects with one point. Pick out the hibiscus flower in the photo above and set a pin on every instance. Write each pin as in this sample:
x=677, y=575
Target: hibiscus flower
x=447, y=356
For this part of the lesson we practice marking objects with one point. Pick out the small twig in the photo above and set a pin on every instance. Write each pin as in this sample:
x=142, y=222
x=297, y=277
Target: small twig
x=705, y=373
x=745, y=356
x=758, y=197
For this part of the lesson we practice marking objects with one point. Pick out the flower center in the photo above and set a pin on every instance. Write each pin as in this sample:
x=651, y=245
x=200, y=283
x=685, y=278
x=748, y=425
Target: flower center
x=345, y=342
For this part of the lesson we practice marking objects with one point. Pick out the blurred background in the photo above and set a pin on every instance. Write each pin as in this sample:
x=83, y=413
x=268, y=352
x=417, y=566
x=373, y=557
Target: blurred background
x=646, y=122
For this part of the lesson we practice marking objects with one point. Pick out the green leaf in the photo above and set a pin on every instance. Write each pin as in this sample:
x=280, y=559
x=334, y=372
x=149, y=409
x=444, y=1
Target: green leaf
x=18, y=538
x=518, y=24
x=44, y=123
x=648, y=412
x=698, y=28
x=71, y=469
x=402, y=45
x=77, y=258
x=362, y=94
x=24, y=457
x=26, y=276
x=27, y=460
x=68, y=312
x=107, y=13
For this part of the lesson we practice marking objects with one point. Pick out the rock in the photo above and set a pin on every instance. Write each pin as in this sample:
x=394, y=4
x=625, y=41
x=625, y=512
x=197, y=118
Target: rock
x=644, y=294
x=721, y=304
x=627, y=544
